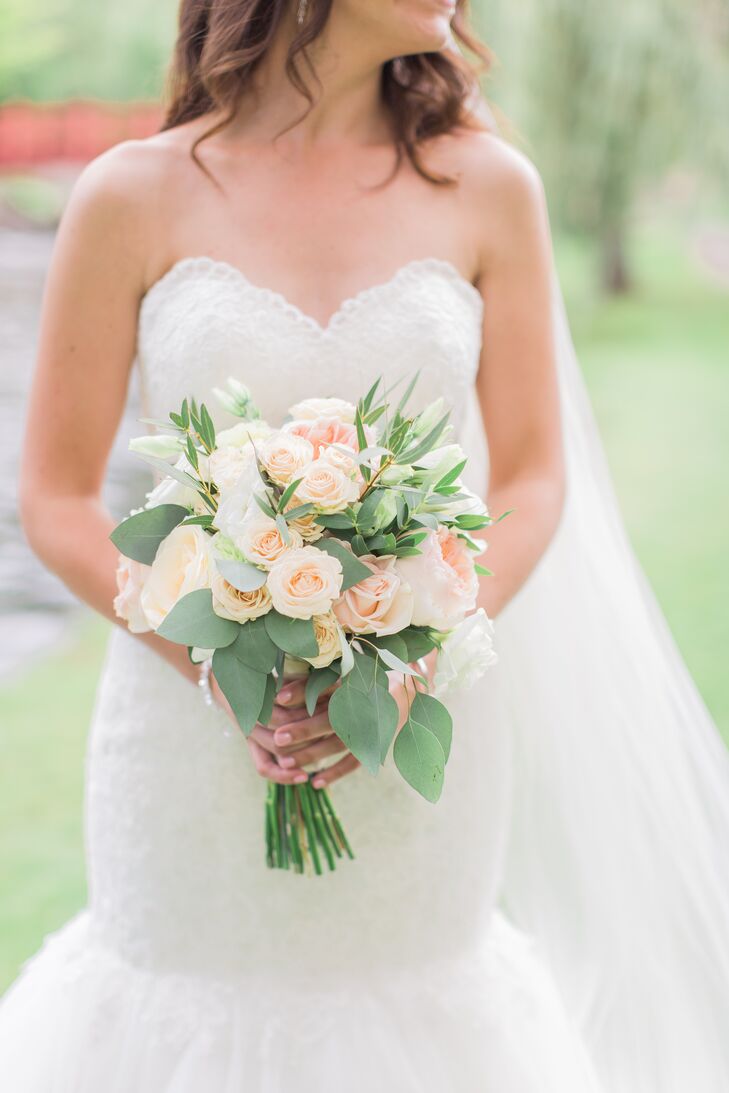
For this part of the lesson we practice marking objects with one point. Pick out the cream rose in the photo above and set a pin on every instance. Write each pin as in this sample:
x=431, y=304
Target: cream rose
x=443, y=580
x=285, y=455
x=344, y=460
x=131, y=577
x=328, y=639
x=326, y=487
x=305, y=526
x=380, y=604
x=182, y=565
x=332, y=409
x=305, y=582
x=261, y=541
x=230, y=603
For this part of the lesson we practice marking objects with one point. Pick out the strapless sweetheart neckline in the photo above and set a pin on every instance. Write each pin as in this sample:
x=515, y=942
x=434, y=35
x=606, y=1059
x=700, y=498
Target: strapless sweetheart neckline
x=206, y=264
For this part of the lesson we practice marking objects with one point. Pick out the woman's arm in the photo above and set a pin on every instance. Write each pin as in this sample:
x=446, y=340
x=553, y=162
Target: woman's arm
x=517, y=380
x=98, y=274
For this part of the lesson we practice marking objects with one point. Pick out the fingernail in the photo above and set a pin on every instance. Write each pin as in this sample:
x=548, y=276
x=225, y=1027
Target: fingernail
x=300, y=779
x=287, y=761
x=284, y=738
x=319, y=783
x=284, y=695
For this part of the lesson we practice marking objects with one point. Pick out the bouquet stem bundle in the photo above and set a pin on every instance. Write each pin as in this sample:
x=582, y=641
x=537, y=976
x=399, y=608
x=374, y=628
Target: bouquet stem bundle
x=303, y=830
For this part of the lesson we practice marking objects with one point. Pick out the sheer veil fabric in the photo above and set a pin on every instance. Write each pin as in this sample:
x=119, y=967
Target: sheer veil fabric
x=619, y=851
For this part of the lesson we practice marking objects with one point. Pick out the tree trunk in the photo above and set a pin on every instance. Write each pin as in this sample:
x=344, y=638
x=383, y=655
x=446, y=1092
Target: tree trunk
x=616, y=278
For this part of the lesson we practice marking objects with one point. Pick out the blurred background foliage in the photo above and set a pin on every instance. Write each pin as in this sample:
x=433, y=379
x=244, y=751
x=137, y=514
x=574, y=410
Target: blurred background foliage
x=622, y=105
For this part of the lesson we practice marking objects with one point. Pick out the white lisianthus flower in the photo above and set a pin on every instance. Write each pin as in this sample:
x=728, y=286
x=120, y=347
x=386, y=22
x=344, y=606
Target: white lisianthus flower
x=330, y=409
x=441, y=460
x=242, y=434
x=326, y=487
x=182, y=564
x=328, y=636
x=131, y=577
x=465, y=654
x=305, y=582
x=261, y=542
x=230, y=603
x=470, y=504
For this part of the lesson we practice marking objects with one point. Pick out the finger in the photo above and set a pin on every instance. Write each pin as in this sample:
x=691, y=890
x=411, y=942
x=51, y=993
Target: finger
x=268, y=768
x=292, y=693
x=312, y=753
x=265, y=738
x=299, y=732
x=334, y=773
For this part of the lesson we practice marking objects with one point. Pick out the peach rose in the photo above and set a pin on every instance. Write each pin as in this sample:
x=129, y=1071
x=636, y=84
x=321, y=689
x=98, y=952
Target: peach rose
x=322, y=431
x=182, y=565
x=335, y=409
x=260, y=540
x=443, y=580
x=345, y=461
x=230, y=603
x=379, y=604
x=131, y=577
x=305, y=526
x=326, y=487
x=328, y=639
x=285, y=455
x=305, y=582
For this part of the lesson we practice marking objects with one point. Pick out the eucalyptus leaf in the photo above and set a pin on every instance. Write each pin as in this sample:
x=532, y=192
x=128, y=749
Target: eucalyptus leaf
x=364, y=722
x=139, y=536
x=418, y=643
x=192, y=621
x=242, y=575
x=269, y=696
x=319, y=679
x=254, y=647
x=399, y=665
x=353, y=571
x=169, y=471
x=393, y=642
x=244, y=688
x=420, y=759
x=432, y=714
x=294, y=636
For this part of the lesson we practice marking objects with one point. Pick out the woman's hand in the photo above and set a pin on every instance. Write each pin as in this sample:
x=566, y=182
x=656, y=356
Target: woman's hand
x=298, y=740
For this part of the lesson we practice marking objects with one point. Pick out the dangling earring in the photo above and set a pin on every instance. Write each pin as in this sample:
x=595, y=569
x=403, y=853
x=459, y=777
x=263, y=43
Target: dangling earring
x=301, y=12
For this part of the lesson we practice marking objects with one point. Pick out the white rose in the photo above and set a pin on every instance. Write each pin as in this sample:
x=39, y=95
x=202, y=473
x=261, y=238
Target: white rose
x=285, y=455
x=171, y=492
x=131, y=577
x=261, y=541
x=230, y=603
x=182, y=565
x=328, y=637
x=305, y=582
x=443, y=580
x=241, y=435
x=228, y=463
x=236, y=500
x=465, y=654
x=329, y=408
x=326, y=487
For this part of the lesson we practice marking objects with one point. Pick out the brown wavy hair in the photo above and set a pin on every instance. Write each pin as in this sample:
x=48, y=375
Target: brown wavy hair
x=220, y=44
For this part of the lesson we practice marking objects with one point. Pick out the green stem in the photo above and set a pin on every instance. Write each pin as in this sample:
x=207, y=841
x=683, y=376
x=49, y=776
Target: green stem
x=310, y=829
x=293, y=829
x=326, y=824
x=327, y=801
x=318, y=825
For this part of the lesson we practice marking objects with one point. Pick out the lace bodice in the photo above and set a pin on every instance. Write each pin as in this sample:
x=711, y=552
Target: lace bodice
x=204, y=320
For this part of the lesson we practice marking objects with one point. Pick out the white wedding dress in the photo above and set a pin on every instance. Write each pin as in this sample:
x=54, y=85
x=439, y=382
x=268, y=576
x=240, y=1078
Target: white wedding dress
x=195, y=968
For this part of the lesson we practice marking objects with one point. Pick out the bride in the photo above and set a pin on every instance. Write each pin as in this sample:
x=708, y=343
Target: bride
x=559, y=923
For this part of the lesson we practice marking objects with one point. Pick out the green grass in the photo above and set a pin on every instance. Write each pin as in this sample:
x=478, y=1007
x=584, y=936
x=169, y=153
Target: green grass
x=657, y=368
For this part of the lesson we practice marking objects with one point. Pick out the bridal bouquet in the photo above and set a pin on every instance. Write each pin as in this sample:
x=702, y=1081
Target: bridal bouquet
x=339, y=545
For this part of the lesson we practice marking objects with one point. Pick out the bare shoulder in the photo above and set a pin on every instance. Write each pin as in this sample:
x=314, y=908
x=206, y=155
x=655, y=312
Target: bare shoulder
x=501, y=190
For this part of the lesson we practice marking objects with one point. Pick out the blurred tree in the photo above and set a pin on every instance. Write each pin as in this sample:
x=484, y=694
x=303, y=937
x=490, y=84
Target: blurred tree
x=611, y=95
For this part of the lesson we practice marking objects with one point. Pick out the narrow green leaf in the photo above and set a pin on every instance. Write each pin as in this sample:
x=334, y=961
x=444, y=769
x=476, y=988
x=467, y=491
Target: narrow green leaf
x=287, y=494
x=482, y=570
x=192, y=621
x=408, y=392
x=139, y=536
x=283, y=528
x=399, y=665
x=264, y=506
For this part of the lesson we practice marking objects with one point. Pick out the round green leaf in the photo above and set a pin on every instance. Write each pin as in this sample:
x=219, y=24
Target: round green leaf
x=420, y=759
x=192, y=621
x=254, y=647
x=432, y=714
x=294, y=636
x=364, y=722
x=242, y=575
x=245, y=689
x=139, y=536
